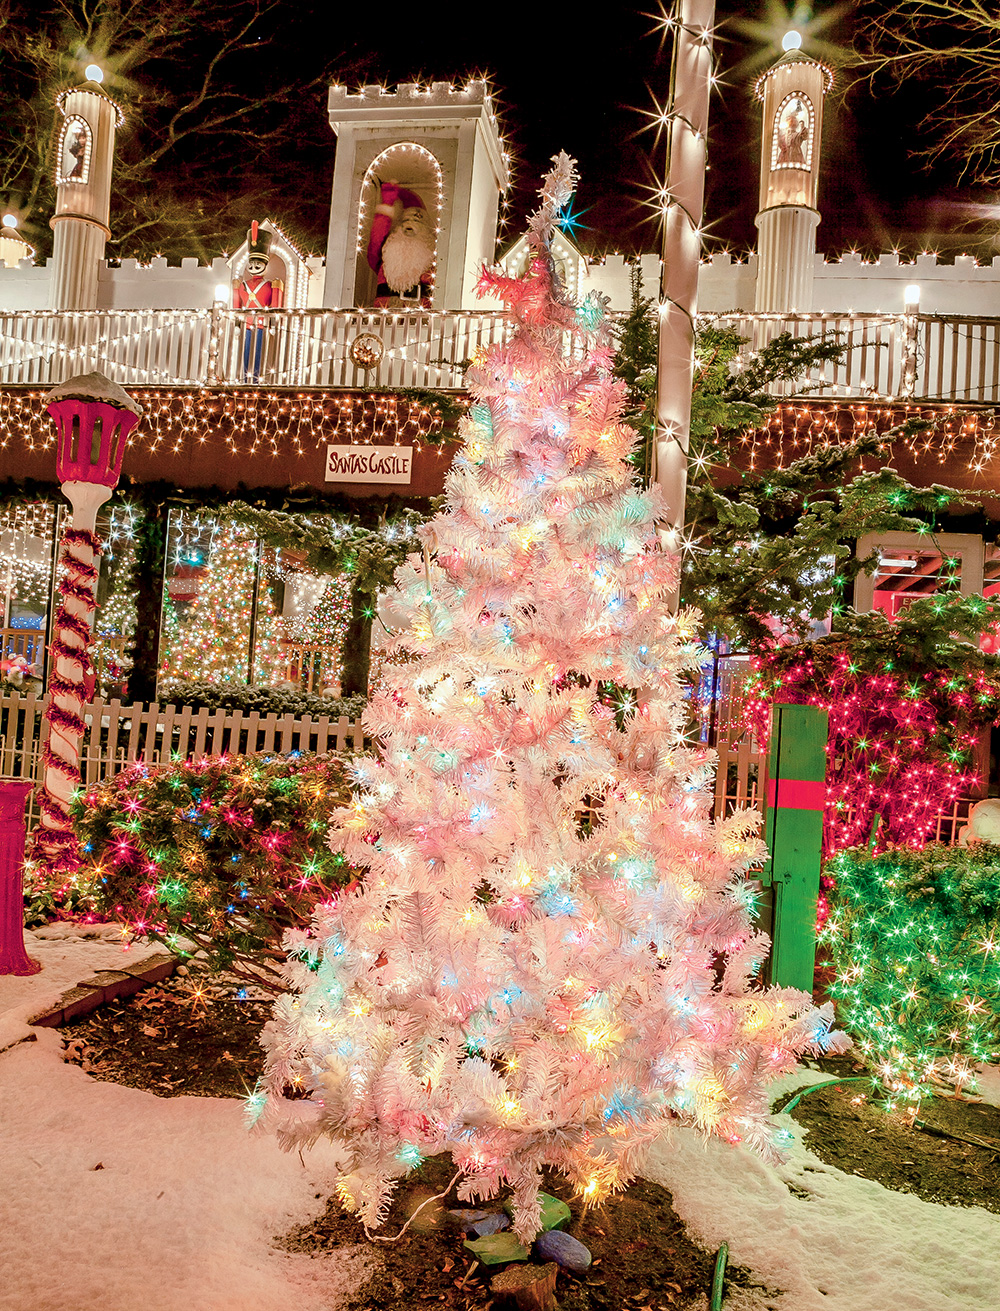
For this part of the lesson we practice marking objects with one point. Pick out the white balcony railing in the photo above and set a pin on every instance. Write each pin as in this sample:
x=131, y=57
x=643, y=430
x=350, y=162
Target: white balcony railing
x=300, y=348
x=920, y=357
x=888, y=356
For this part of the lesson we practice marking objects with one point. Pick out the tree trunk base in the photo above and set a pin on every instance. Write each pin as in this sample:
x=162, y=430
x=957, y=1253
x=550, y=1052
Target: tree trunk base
x=529, y=1287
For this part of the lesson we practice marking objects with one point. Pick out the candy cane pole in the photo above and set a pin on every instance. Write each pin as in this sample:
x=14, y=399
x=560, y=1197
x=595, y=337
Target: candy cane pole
x=93, y=417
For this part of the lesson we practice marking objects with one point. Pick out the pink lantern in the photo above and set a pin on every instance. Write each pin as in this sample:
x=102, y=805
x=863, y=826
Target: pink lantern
x=91, y=441
x=93, y=418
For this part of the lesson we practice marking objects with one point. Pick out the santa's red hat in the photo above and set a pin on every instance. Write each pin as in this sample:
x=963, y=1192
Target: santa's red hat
x=410, y=199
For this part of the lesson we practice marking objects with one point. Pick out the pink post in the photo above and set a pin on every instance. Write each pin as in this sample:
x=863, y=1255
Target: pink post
x=13, y=958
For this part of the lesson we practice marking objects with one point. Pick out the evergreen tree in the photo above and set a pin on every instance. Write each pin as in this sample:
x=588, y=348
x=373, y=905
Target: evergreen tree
x=114, y=623
x=212, y=640
x=635, y=365
x=324, y=626
x=367, y=553
x=775, y=547
x=506, y=983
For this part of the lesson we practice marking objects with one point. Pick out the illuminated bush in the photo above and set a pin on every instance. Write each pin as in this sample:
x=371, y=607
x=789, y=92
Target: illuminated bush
x=915, y=942
x=226, y=852
x=908, y=700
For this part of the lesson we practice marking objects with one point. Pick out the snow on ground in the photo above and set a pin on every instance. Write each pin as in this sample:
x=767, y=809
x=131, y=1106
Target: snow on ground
x=183, y=1208
x=849, y=1245
x=67, y=953
x=114, y=1200
x=988, y=1084
x=182, y=1211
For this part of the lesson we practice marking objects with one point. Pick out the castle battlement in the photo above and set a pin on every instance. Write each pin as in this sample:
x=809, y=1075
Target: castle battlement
x=411, y=95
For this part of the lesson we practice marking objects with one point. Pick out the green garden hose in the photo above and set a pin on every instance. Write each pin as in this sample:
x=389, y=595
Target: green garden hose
x=719, y=1278
x=795, y=1098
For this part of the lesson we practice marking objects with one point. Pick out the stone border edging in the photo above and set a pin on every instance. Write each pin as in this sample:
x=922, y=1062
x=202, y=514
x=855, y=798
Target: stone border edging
x=104, y=986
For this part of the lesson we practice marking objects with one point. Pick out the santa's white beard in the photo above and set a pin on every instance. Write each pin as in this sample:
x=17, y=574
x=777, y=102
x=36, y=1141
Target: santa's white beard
x=406, y=257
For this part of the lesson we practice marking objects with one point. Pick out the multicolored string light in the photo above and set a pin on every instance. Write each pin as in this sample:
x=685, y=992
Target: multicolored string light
x=901, y=739
x=225, y=852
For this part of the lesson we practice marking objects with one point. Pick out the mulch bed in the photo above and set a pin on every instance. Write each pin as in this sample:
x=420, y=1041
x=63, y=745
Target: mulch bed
x=199, y=1036
x=643, y=1258
x=846, y=1129
x=195, y=1036
x=192, y=1036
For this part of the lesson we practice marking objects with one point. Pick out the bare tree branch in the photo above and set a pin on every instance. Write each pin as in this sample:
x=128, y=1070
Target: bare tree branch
x=198, y=112
x=954, y=47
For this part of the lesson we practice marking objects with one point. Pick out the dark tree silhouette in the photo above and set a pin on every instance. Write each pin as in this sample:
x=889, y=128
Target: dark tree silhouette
x=224, y=103
x=954, y=47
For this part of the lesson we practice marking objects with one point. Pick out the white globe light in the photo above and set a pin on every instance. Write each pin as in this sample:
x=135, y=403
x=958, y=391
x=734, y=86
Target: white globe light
x=911, y=295
x=9, y=220
x=791, y=41
x=94, y=73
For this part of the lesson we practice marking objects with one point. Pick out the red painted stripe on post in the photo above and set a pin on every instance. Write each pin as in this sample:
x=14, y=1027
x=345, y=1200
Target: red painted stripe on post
x=797, y=793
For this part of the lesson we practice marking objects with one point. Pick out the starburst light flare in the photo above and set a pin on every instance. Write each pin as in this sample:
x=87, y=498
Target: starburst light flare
x=547, y=959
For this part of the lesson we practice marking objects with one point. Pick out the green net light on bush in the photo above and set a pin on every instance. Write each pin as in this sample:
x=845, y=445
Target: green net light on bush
x=915, y=942
x=226, y=852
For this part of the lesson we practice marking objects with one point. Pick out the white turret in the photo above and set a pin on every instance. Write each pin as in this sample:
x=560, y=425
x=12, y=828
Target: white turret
x=792, y=91
x=85, y=150
x=440, y=142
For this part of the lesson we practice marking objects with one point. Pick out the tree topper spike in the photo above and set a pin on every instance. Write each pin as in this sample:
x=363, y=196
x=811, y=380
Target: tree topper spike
x=557, y=187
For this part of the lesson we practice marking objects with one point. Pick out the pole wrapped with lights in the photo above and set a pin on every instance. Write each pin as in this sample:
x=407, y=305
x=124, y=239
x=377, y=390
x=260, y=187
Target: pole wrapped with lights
x=684, y=199
x=93, y=418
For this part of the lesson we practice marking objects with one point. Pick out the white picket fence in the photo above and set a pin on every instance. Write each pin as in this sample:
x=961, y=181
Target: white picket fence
x=119, y=734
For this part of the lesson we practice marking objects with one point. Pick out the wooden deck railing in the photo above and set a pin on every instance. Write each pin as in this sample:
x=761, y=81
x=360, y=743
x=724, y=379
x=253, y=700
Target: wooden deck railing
x=187, y=348
x=29, y=643
x=920, y=357
x=740, y=782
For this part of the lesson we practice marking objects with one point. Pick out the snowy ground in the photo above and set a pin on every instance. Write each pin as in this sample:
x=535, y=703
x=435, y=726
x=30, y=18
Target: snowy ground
x=848, y=1245
x=113, y=1199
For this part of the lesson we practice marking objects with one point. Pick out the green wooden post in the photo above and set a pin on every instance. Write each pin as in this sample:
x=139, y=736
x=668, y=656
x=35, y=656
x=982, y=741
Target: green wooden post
x=793, y=830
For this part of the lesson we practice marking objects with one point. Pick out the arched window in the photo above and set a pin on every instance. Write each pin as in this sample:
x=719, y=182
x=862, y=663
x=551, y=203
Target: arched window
x=413, y=167
x=73, y=155
x=792, y=136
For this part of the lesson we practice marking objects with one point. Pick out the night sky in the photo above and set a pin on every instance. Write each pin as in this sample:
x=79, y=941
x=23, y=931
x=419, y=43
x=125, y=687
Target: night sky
x=565, y=82
x=561, y=81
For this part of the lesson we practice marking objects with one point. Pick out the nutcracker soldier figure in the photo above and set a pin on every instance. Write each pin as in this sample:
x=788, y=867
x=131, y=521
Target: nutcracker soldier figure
x=255, y=293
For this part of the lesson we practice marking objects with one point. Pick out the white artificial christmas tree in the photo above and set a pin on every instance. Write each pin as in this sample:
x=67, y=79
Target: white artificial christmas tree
x=512, y=982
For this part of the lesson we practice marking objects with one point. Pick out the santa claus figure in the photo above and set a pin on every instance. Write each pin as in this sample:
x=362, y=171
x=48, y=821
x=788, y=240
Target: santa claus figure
x=254, y=292
x=401, y=250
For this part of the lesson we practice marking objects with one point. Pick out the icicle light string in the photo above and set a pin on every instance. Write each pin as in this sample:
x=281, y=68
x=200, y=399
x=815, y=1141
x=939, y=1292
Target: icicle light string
x=247, y=421
x=797, y=428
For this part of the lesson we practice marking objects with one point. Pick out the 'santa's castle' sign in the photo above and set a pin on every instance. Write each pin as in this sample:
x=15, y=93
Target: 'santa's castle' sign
x=369, y=464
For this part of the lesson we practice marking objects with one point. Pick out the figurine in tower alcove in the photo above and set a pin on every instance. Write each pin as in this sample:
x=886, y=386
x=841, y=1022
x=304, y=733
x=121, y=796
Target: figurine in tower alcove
x=401, y=250
x=792, y=134
x=254, y=292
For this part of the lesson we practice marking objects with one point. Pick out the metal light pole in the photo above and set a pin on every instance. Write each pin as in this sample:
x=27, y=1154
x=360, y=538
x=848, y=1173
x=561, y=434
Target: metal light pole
x=685, y=196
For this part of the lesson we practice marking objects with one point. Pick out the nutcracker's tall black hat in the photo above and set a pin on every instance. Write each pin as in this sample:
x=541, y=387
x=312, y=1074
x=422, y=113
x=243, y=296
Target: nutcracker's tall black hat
x=258, y=241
